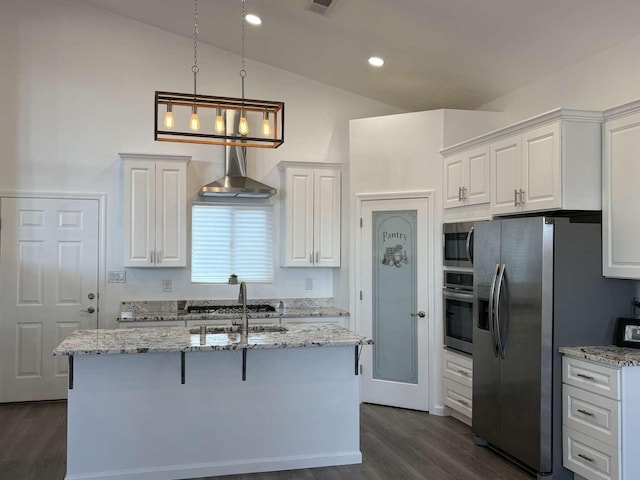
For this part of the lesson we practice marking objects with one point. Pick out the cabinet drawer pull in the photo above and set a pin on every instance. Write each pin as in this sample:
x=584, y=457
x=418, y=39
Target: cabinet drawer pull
x=586, y=458
x=587, y=377
x=463, y=372
x=464, y=402
x=584, y=412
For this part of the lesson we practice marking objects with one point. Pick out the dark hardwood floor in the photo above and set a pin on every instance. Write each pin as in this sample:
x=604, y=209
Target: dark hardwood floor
x=396, y=444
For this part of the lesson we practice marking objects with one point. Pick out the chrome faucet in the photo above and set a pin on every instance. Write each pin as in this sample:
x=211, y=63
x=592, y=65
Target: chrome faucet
x=242, y=299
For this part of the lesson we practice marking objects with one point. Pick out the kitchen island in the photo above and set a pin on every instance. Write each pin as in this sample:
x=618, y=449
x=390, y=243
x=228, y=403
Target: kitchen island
x=166, y=403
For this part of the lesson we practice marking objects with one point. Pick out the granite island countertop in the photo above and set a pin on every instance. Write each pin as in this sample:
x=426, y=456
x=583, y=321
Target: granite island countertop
x=609, y=355
x=179, y=339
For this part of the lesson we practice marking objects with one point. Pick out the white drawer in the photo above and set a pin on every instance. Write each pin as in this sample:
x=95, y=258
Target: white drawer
x=458, y=368
x=591, y=414
x=588, y=457
x=592, y=377
x=458, y=396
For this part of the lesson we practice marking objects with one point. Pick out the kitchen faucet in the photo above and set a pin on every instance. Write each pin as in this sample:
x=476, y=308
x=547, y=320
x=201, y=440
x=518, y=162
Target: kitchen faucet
x=242, y=299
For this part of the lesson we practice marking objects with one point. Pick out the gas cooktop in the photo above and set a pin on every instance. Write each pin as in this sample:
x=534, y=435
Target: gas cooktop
x=229, y=308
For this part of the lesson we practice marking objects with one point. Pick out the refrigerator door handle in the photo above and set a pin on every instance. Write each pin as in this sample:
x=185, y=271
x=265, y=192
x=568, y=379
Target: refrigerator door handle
x=492, y=329
x=501, y=346
x=469, y=252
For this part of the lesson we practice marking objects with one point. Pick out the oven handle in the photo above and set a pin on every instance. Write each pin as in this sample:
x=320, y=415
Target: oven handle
x=467, y=297
x=469, y=252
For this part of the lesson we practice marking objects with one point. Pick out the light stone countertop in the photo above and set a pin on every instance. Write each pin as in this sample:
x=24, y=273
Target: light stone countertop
x=179, y=339
x=607, y=355
x=154, y=311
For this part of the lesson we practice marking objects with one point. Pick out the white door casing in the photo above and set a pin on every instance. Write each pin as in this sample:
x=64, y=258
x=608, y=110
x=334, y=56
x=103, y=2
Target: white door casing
x=406, y=395
x=49, y=263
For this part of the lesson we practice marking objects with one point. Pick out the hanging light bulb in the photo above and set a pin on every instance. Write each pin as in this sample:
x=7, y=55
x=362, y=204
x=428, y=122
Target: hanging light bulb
x=243, y=126
x=218, y=126
x=169, y=121
x=194, y=124
x=266, y=124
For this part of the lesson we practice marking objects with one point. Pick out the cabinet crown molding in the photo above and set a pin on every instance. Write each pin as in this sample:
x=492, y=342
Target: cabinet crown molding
x=155, y=157
x=622, y=110
x=286, y=164
x=588, y=116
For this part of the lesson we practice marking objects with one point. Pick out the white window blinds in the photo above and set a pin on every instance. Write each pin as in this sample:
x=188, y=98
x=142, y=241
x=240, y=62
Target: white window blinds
x=227, y=239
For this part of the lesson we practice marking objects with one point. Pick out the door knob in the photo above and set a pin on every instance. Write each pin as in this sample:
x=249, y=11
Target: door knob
x=91, y=296
x=420, y=314
x=89, y=310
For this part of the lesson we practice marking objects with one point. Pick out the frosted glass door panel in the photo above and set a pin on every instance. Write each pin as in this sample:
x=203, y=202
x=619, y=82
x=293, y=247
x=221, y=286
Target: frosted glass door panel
x=394, y=275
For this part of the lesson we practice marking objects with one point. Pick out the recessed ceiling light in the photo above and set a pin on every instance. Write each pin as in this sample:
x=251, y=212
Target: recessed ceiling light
x=376, y=61
x=253, y=19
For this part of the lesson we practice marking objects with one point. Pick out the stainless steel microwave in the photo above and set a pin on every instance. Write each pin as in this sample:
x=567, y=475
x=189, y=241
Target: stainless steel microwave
x=458, y=244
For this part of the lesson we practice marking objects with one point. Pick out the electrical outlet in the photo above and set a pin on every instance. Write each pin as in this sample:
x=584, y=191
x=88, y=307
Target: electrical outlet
x=636, y=306
x=308, y=283
x=166, y=285
x=117, y=277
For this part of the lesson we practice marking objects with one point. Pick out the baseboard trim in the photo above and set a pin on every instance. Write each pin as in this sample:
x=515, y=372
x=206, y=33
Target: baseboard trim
x=439, y=411
x=219, y=468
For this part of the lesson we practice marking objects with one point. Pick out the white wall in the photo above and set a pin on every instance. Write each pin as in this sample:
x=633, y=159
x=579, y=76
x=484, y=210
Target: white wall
x=599, y=82
x=77, y=87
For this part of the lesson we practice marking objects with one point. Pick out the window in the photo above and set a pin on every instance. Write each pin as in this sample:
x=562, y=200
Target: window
x=227, y=239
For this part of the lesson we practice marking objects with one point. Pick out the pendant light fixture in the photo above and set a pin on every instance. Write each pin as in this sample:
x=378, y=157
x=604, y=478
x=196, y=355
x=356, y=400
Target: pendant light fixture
x=255, y=128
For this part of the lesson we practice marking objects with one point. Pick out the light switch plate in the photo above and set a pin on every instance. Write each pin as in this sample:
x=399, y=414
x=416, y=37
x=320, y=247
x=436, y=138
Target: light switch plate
x=117, y=277
x=166, y=285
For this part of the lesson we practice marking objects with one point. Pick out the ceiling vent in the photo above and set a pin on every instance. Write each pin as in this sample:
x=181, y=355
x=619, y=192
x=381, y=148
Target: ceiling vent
x=320, y=6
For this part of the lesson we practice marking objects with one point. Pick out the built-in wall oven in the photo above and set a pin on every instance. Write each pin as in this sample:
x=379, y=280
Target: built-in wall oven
x=458, y=310
x=458, y=244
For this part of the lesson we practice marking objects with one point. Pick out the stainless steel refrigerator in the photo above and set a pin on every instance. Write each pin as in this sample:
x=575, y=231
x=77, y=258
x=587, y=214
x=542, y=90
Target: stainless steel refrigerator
x=537, y=286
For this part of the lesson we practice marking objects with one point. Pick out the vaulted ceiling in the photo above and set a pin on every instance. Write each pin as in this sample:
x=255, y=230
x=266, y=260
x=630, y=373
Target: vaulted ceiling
x=438, y=53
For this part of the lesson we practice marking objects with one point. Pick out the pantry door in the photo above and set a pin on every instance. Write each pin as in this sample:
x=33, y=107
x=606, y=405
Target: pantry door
x=394, y=305
x=49, y=251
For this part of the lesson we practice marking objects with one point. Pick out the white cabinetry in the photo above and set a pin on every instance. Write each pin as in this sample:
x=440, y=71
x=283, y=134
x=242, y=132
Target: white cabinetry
x=549, y=162
x=600, y=421
x=458, y=384
x=311, y=208
x=466, y=178
x=621, y=193
x=155, y=209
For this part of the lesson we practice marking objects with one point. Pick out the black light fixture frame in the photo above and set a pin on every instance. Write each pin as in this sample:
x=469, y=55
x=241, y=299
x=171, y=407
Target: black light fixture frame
x=276, y=109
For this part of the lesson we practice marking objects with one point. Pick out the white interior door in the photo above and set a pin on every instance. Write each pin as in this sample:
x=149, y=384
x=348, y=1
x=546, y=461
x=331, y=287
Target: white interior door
x=49, y=253
x=394, y=271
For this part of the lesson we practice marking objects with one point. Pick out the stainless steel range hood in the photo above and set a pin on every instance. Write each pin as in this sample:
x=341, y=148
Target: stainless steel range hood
x=235, y=182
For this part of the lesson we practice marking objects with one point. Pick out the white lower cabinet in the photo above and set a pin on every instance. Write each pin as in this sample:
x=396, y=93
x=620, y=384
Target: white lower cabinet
x=600, y=420
x=458, y=383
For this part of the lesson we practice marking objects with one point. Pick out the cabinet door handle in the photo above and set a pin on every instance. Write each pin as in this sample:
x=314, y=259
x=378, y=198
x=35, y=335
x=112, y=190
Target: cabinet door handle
x=153, y=256
x=459, y=194
x=521, y=197
x=582, y=375
x=464, y=193
x=584, y=412
x=585, y=457
x=515, y=197
x=317, y=257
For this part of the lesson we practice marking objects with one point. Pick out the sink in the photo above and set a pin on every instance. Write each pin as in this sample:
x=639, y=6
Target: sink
x=236, y=329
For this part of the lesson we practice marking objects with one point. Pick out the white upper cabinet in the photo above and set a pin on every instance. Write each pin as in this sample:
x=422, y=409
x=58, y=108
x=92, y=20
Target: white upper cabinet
x=311, y=200
x=466, y=178
x=155, y=209
x=620, y=192
x=549, y=162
